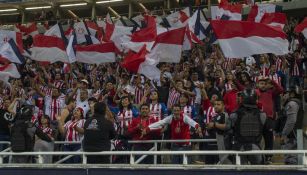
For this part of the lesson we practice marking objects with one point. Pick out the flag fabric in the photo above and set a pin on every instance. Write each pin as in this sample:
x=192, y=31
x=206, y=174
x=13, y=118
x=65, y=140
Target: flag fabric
x=257, y=11
x=83, y=33
x=49, y=48
x=302, y=28
x=70, y=49
x=8, y=71
x=31, y=29
x=274, y=19
x=57, y=30
x=145, y=36
x=239, y=39
x=109, y=19
x=95, y=30
x=6, y=35
x=117, y=34
x=142, y=62
x=137, y=20
x=10, y=51
x=179, y=18
x=168, y=45
x=198, y=25
x=96, y=53
x=233, y=11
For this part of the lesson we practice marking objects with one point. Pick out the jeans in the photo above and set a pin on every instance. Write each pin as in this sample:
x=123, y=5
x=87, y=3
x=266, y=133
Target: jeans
x=178, y=159
x=73, y=148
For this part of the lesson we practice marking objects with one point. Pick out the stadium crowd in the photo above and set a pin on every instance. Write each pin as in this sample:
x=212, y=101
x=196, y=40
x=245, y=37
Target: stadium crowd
x=203, y=90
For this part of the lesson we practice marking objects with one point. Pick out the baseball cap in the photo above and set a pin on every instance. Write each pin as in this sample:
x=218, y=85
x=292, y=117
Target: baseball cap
x=84, y=81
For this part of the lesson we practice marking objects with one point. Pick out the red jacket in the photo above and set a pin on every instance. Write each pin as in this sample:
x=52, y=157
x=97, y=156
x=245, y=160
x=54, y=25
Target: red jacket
x=136, y=133
x=266, y=99
x=230, y=101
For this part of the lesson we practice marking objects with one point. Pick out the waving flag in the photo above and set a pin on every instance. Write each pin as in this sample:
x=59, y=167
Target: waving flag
x=168, y=45
x=233, y=11
x=117, y=34
x=137, y=20
x=57, y=30
x=302, y=27
x=84, y=33
x=8, y=71
x=257, y=11
x=240, y=39
x=199, y=25
x=274, y=19
x=179, y=18
x=28, y=30
x=96, y=53
x=145, y=36
x=143, y=63
x=49, y=49
x=10, y=51
x=70, y=49
x=6, y=35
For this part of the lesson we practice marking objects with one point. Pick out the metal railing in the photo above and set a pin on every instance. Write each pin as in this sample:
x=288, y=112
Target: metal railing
x=184, y=154
x=154, y=148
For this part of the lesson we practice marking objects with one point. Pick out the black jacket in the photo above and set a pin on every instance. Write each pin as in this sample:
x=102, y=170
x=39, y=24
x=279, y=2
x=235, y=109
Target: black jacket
x=97, y=134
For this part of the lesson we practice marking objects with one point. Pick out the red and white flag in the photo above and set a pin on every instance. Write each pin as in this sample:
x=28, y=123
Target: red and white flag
x=168, y=45
x=49, y=48
x=240, y=39
x=96, y=53
x=257, y=11
x=142, y=62
x=179, y=18
x=31, y=29
x=302, y=28
x=117, y=34
x=8, y=71
x=145, y=36
x=6, y=35
x=233, y=11
x=274, y=19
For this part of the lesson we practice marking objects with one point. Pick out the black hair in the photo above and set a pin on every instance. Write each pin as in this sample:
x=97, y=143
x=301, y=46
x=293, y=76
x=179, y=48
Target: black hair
x=100, y=108
x=145, y=104
x=93, y=99
x=120, y=106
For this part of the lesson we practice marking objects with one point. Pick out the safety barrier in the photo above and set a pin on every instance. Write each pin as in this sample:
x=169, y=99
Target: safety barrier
x=184, y=154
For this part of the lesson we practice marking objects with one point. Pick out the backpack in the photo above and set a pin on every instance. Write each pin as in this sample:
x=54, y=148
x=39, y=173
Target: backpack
x=20, y=140
x=248, y=127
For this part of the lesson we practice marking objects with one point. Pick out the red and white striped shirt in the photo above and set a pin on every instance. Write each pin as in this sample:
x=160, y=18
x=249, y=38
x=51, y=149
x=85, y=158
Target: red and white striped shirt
x=46, y=130
x=139, y=93
x=173, y=98
x=71, y=133
x=278, y=64
x=295, y=71
x=228, y=87
x=46, y=90
x=156, y=111
x=54, y=106
x=209, y=113
x=124, y=118
x=58, y=83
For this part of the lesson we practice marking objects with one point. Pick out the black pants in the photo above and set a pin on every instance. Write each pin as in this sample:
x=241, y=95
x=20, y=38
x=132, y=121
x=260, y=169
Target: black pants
x=268, y=140
x=209, y=146
x=144, y=147
x=98, y=159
